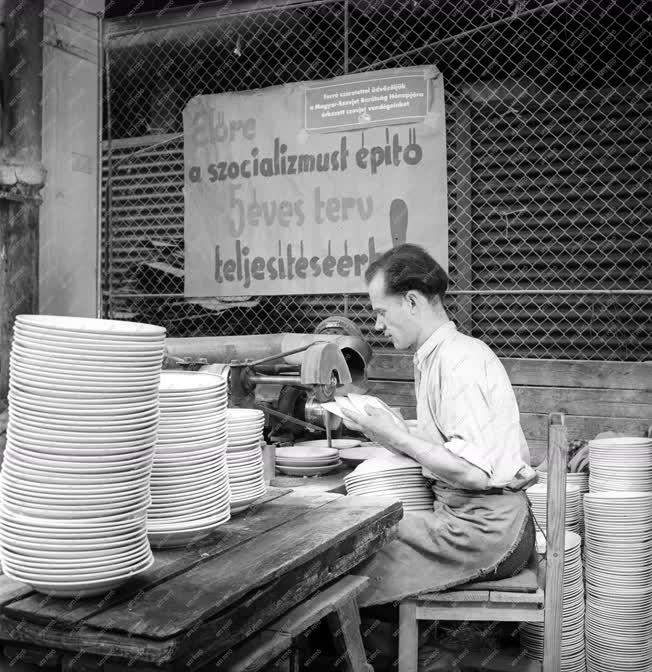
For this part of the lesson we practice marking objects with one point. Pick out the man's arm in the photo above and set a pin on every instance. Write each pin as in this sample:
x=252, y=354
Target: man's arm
x=456, y=471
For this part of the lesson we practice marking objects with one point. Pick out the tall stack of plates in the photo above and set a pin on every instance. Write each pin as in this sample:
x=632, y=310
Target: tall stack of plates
x=190, y=483
x=244, y=456
x=307, y=460
x=394, y=476
x=573, y=658
x=579, y=479
x=618, y=566
x=537, y=494
x=83, y=416
x=622, y=463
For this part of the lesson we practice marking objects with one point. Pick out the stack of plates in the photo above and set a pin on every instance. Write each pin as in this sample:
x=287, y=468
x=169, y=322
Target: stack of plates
x=244, y=456
x=83, y=416
x=573, y=658
x=623, y=463
x=579, y=479
x=538, y=494
x=394, y=476
x=190, y=484
x=618, y=566
x=307, y=460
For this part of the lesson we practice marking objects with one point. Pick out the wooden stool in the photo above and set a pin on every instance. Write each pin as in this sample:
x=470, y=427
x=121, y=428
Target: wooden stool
x=495, y=601
x=337, y=603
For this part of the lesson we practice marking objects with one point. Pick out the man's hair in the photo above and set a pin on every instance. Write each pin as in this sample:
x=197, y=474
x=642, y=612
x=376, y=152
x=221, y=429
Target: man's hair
x=407, y=267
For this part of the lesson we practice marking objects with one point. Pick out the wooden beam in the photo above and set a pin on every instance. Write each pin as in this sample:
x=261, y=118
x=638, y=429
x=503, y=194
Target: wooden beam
x=597, y=402
x=24, y=25
x=394, y=365
x=555, y=542
x=463, y=226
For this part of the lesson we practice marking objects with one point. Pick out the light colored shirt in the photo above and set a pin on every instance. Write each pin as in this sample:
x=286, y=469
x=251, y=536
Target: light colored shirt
x=465, y=401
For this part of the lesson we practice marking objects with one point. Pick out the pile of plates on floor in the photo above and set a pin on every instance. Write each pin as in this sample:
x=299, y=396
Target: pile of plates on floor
x=573, y=658
x=190, y=483
x=618, y=566
x=578, y=479
x=307, y=460
x=537, y=494
x=244, y=456
x=394, y=476
x=623, y=463
x=83, y=417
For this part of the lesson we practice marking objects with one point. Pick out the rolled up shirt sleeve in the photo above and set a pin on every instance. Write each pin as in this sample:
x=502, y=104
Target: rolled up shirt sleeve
x=468, y=417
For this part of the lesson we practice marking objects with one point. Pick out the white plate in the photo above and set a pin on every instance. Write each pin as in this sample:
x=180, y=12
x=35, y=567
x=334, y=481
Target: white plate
x=90, y=325
x=307, y=471
x=337, y=444
x=308, y=452
x=190, y=381
x=364, y=452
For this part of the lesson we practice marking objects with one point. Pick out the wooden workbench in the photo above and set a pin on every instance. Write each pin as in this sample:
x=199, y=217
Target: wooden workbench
x=197, y=603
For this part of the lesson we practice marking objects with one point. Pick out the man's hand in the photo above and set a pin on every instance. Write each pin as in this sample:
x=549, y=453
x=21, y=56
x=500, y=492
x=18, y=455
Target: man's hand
x=377, y=424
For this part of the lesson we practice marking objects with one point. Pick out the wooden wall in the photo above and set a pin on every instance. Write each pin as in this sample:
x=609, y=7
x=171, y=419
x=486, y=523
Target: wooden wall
x=595, y=396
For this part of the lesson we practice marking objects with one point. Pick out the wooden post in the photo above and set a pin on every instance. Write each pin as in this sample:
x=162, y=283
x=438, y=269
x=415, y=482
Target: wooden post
x=21, y=174
x=24, y=22
x=463, y=166
x=555, y=533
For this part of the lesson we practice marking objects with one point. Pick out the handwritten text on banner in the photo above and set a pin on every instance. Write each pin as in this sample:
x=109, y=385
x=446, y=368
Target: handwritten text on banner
x=271, y=209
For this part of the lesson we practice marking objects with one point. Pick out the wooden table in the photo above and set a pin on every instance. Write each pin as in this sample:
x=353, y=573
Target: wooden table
x=196, y=603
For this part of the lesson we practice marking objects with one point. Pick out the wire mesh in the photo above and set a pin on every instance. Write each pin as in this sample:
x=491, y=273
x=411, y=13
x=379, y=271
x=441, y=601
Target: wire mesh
x=547, y=122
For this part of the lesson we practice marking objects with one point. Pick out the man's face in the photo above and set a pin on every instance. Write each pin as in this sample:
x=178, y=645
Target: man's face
x=393, y=316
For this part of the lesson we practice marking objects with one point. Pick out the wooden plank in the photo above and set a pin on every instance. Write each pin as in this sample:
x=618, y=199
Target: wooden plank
x=555, y=519
x=278, y=636
x=535, y=426
x=455, y=596
x=302, y=617
x=408, y=636
x=198, y=645
x=344, y=623
x=390, y=364
x=215, y=585
x=580, y=373
x=538, y=399
x=292, y=589
x=267, y=515
x=479, y=611
x=11, y=590
x=517, y=598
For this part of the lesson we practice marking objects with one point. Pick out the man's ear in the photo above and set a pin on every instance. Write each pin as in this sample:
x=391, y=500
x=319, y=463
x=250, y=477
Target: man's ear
x=412, y=297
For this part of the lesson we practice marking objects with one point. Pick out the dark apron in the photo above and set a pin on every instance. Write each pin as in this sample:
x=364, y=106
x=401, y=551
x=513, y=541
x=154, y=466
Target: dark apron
x=466, y=537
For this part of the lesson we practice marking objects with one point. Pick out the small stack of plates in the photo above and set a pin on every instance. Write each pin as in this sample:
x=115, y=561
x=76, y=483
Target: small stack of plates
x=83, y=416
x=244, y=456
x=579, y=479
x=537, y=494
x=622, y=463
x=189, y=484
x=394, y=476
x=618, y=566
x=573, y=658
x=307, y=460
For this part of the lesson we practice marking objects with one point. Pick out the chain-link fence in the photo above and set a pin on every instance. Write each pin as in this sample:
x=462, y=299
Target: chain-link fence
x=547, y=121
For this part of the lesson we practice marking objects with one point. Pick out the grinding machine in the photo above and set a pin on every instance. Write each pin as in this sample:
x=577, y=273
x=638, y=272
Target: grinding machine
x=286, y=375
